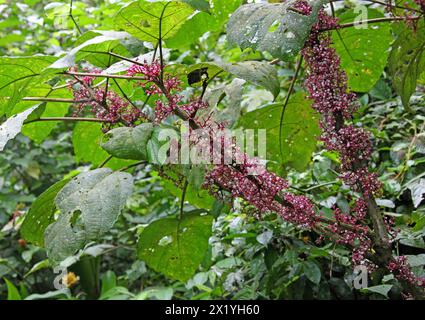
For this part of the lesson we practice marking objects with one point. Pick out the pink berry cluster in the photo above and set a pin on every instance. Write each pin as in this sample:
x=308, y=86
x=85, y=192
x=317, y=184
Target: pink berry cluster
x=104, y=103
x=157, y=83
x=261, y=191
x=327, y=86
x=303, y=7
x=401, y=270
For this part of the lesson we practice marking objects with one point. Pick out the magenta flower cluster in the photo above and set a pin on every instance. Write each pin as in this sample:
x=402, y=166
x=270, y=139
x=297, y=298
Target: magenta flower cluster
x=104, y=103
x=399, y=266
x=327, y=86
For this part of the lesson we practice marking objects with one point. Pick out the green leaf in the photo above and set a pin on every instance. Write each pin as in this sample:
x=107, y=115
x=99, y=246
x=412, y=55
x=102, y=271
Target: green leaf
x=16, y=76
x=381, y=289
x=259, y=73
x=142, y=19
x=86, y=139
x=364, y=52
x=43, y=264
x=176, y=248
x=41, y=215
x=272, y=27
x=407, y=61
x=93, y=45
x=203, y=22
x=12, y=126
x=128, y=143
x=89, y=206
x=12, y=291
x=312, y=271
x=201, y=5
x=299, y=132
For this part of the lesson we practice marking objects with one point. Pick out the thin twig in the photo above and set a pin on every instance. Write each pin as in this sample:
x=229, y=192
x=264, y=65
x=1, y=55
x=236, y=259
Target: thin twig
x=68, y=119
x=285, y=104
x=73, y=20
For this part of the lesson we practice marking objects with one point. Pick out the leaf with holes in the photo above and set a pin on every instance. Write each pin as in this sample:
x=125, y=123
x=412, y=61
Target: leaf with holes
x=407, y=61
x=128, y=143
x=150, y=21
x=272, y=27
x=12, y=126
x=176, y=248
x=41, y=215
x=89, y=206
x=364, y=52
x=299, y=132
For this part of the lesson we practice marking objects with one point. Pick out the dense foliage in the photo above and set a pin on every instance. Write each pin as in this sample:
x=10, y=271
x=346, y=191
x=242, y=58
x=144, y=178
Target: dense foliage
x=118, y=180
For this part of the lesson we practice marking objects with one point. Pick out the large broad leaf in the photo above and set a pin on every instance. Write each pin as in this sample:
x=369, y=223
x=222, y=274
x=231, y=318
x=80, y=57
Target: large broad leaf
x=202, y=22
x=407, y=61
x=41, y=215
x=364, y=52
x=299, y=132
x=128, y=143
x=272, y=27
x=89, y=206
x=257, y=72
x=150, y=21
x=13, y=126
x=176, y=247
x=16, y=76
x=86, y=139
x=94, y=46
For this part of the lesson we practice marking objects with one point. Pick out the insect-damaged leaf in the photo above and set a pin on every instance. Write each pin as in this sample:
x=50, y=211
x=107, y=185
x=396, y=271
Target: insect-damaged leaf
x=176, y=248
x=272, y=27
x=89, y=206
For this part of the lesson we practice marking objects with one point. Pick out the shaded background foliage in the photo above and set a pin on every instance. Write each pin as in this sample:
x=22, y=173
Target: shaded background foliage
x=246, y=258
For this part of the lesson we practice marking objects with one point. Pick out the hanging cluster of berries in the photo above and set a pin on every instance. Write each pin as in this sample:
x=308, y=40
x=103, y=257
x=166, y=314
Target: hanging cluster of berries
x=327, y=86
x=104, y=103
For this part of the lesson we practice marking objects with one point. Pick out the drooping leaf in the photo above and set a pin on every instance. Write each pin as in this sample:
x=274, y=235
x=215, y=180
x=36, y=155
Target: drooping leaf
x=41, y=215
x=312, y=271
x=257, y=72
x=417, y=190
x=272, y=27
x=128, y=143
x=208, y=21
x=86, y=139
x=176, y=248
x=89, y=206
x=94, y=47
x=150, y=21
x=12, y=126
x=382, y=289
x=363, y=51
x=299, y=132
x=407, y=61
